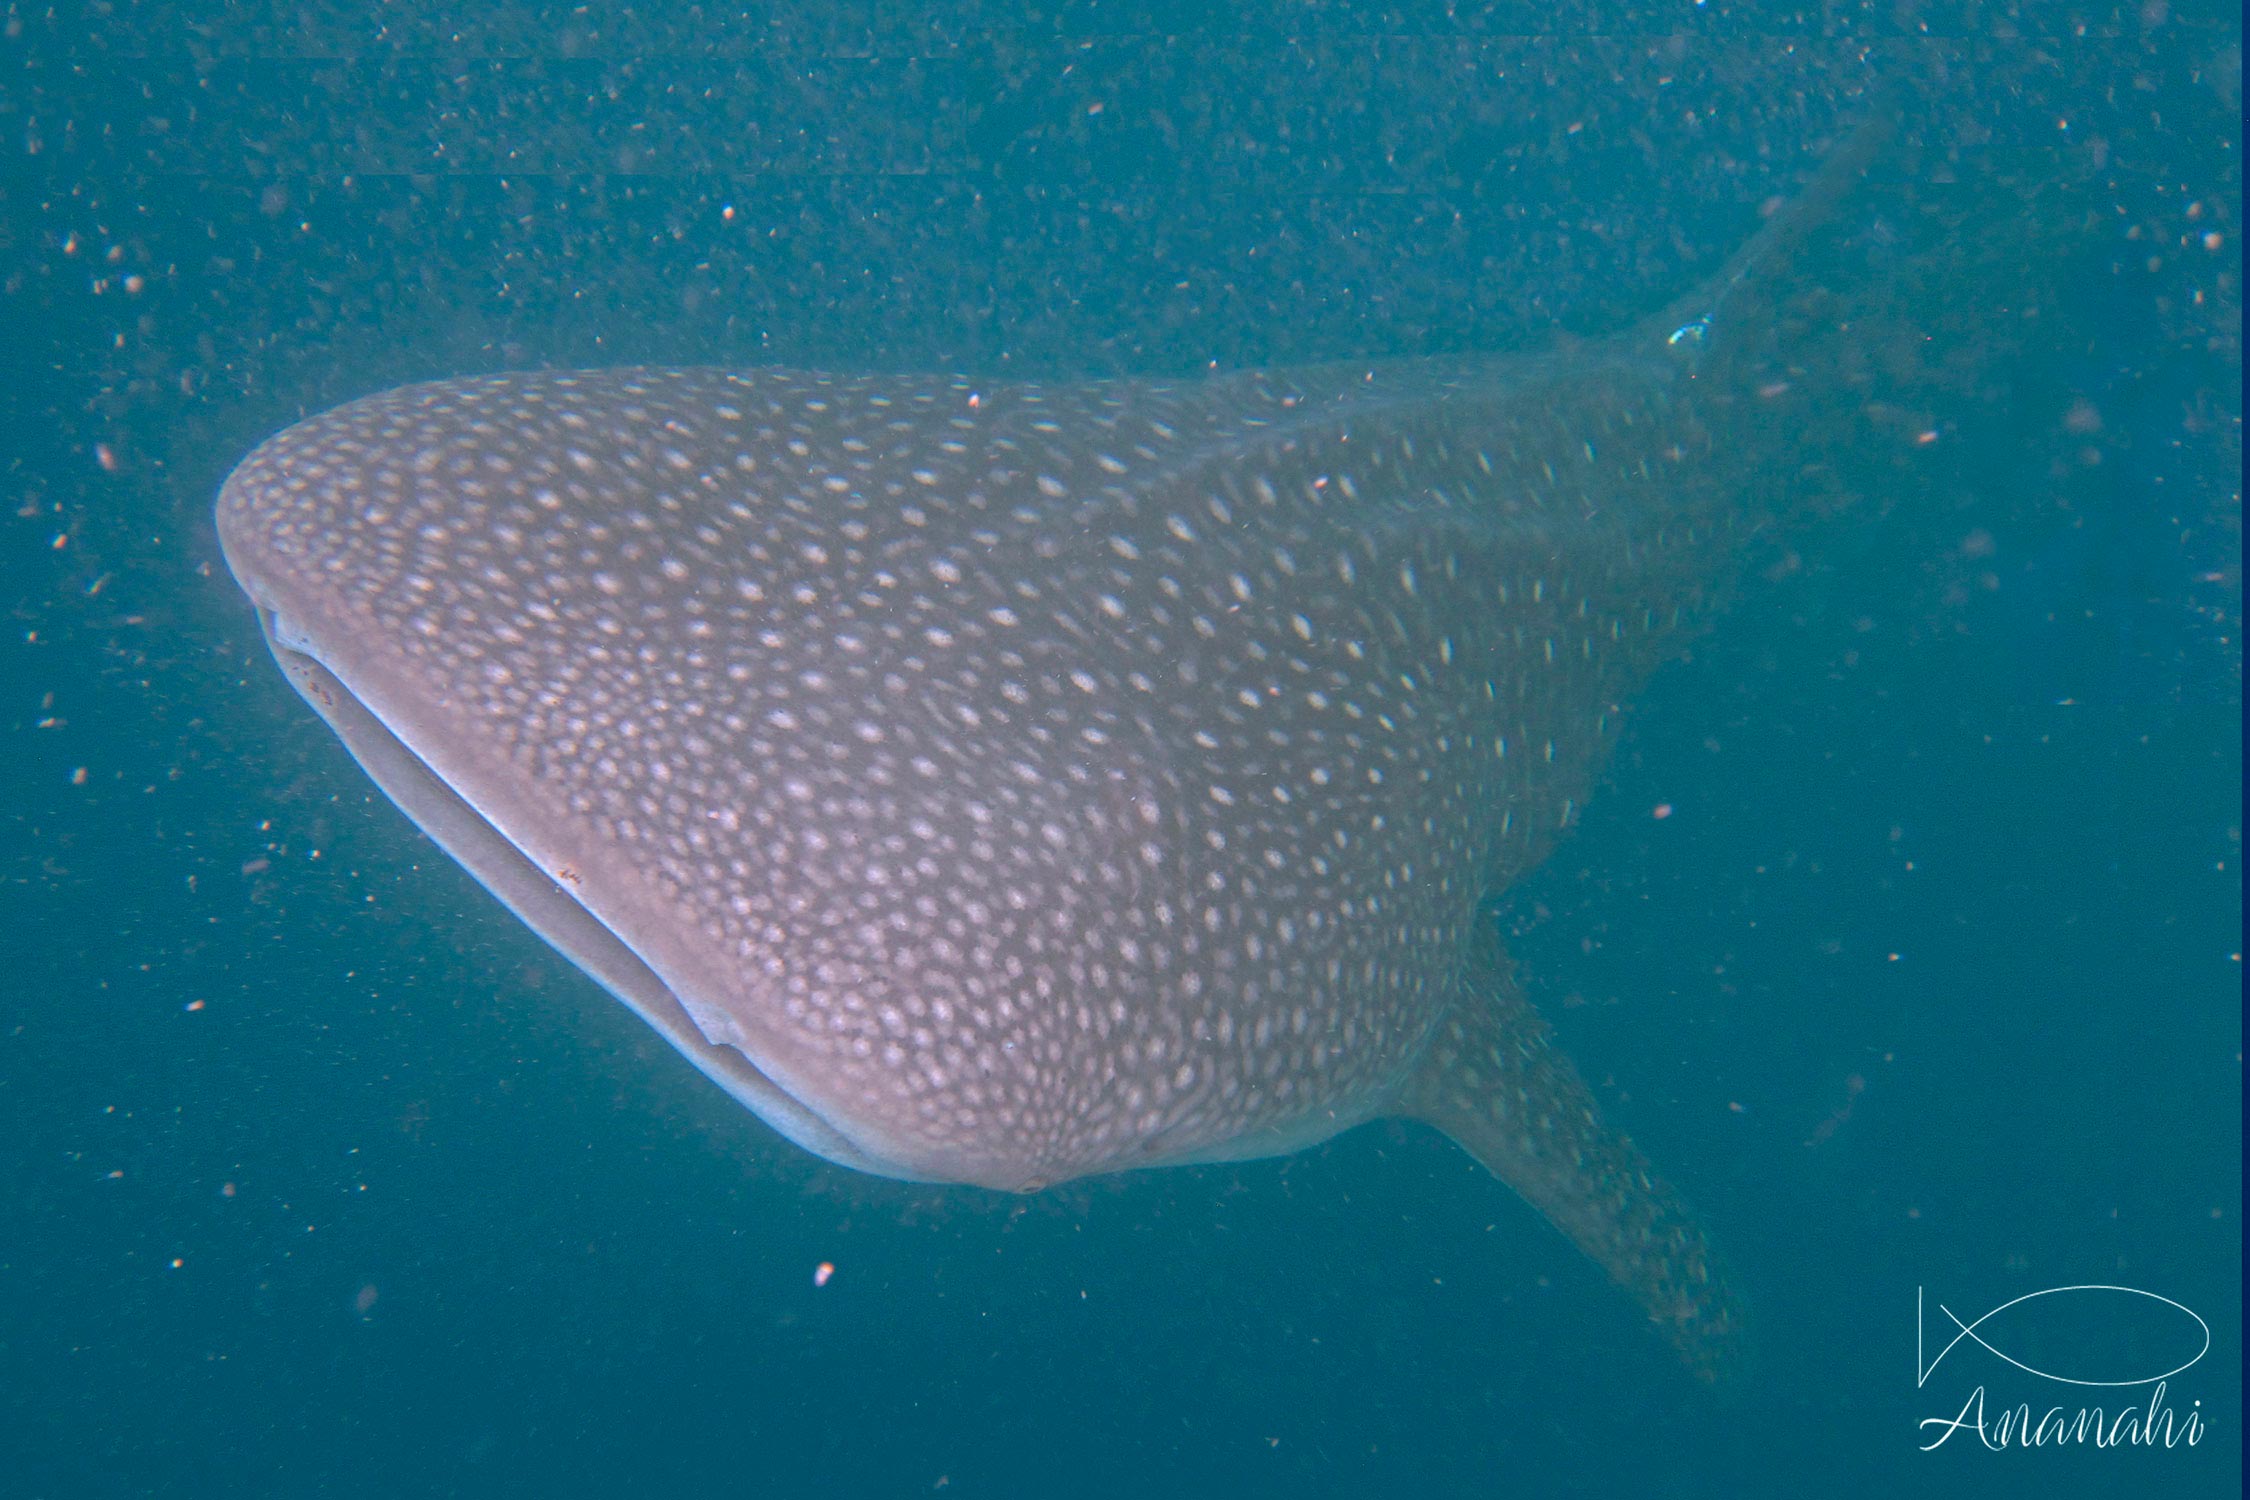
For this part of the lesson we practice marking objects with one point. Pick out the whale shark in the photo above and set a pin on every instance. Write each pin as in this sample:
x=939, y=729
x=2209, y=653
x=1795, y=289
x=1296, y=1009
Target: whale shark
x=1002, y=782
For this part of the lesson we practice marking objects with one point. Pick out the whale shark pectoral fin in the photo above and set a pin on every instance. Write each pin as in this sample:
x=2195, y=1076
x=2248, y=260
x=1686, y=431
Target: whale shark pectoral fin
x=1493, y=1080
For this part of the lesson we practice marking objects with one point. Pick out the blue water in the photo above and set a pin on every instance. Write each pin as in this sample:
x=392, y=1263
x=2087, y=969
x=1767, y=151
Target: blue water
x=321, y=1177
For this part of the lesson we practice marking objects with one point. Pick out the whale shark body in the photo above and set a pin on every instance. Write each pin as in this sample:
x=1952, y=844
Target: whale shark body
x=998, y=783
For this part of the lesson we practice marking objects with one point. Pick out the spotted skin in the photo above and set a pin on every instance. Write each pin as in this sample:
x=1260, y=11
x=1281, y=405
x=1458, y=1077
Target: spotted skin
x=1003, y=783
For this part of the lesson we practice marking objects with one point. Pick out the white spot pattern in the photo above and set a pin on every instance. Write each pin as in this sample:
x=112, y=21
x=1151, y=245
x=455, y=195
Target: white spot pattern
x=1039, y=812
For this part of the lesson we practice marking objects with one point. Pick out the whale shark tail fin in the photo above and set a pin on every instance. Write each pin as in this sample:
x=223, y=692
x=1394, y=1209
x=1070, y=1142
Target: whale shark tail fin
x=1492, y=1080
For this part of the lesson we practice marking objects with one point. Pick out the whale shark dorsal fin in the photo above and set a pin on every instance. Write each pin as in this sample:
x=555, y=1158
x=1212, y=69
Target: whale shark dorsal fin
x=1709, y=314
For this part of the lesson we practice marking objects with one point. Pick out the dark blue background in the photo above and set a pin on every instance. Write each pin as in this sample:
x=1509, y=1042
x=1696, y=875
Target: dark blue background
x=401, y=1205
